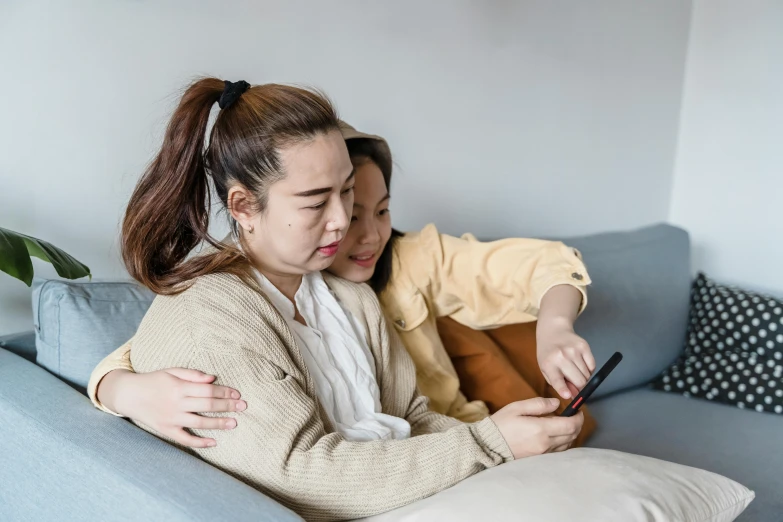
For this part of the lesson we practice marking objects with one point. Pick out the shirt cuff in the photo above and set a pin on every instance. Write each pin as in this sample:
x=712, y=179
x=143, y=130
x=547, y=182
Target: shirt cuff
x=570, y=271
x=92, y=392
x=582, y=289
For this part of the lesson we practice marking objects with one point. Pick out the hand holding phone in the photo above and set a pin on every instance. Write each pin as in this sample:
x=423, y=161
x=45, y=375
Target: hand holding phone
x=592, y=384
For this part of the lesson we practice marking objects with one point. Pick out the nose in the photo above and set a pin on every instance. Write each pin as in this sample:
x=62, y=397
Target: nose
x=369, y=233
x=339, y=218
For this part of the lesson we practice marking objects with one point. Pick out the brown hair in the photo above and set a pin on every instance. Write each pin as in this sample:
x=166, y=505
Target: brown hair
x=168, y=213
x=377, y=152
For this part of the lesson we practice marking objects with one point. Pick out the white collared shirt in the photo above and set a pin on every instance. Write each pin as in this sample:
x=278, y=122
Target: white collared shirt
x=334, y=347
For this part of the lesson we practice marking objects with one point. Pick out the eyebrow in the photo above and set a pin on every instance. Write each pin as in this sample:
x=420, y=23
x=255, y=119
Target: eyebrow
x=384, y=198
x=325, y=190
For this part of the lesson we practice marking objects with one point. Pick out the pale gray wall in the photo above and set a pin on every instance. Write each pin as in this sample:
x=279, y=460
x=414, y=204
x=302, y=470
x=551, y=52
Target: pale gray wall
x=729, y=173
x=506, y=117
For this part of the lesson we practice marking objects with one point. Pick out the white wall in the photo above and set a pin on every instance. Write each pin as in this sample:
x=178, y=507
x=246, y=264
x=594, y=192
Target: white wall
x=728, y=189
x=506, y=117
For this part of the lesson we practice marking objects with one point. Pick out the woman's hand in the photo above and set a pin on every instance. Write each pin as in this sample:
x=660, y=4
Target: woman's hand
x=565, y=358
x=527, y=433
x=168, y=401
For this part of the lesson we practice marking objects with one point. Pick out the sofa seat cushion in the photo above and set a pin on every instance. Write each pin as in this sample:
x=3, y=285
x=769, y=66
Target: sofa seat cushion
x=740, y=444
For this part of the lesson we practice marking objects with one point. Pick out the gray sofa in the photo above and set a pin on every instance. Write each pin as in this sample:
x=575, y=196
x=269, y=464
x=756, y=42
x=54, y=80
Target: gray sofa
x=63, y=460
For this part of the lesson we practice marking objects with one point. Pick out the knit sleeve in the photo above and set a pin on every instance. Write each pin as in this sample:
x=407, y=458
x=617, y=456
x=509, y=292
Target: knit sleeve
x=119, y=359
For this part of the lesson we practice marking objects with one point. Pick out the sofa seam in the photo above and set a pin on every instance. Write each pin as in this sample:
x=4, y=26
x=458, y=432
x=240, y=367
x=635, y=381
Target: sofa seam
x=59, y=334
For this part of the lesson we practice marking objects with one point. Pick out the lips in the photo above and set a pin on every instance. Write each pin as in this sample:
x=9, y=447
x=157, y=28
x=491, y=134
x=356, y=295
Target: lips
x=329, y=250
x=364, y=259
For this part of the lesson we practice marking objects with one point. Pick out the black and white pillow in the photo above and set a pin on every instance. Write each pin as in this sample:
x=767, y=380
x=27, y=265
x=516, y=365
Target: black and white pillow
x=734, y=350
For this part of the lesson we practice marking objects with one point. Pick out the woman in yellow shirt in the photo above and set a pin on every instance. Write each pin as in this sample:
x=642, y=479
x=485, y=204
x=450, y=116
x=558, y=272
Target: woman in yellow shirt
x=419, y=278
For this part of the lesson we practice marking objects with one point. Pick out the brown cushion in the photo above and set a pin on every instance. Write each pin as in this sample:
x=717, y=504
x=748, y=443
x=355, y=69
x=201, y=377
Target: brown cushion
x=499, y=366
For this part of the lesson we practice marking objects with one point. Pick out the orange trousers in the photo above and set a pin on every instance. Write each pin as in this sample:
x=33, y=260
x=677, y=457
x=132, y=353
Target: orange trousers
x=499, y=366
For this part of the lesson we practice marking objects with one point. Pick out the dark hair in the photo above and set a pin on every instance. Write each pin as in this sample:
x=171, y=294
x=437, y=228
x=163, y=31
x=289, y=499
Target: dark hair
x=377, y=151
x=168, y=213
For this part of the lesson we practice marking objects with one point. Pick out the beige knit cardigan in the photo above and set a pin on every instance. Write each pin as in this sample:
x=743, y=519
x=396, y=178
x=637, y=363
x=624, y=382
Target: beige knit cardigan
x=284, y=444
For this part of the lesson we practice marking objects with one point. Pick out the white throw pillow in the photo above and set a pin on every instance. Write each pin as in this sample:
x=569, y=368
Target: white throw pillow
x=584, y=484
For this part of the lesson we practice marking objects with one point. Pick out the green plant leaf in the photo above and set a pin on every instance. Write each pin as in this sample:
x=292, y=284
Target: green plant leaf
x=21, y=267
x=14, y=259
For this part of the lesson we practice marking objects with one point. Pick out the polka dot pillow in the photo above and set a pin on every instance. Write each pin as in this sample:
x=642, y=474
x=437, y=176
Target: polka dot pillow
x=734, y=350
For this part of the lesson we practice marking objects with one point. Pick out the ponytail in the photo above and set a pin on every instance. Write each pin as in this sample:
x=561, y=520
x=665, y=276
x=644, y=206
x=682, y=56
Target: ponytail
x=168, y=213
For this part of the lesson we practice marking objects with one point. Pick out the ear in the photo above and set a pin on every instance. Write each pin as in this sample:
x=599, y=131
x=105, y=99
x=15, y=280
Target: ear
x=241, y=205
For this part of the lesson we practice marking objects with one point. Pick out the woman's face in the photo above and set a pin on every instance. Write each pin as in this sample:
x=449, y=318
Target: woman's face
x=307, y=212
x=370, y=226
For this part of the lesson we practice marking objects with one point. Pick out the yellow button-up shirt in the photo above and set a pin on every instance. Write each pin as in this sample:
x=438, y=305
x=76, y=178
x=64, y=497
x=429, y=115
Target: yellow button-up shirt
x=479, y=284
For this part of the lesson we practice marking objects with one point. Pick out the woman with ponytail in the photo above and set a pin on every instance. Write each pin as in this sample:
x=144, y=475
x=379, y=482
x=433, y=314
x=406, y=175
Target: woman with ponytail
x=332, y=423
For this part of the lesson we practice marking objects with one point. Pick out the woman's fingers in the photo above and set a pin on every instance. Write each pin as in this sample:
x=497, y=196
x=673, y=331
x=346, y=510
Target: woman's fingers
x=198, y=384
x=562, y=440
x=187, y=374
x=562, y=431
x=563, y=426
x=184, y=438
x=200, y=422
x=211, y=405
x=532, y=407
x=210, y=391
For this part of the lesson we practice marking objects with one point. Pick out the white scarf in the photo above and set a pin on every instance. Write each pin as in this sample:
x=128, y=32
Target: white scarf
x=334, y=348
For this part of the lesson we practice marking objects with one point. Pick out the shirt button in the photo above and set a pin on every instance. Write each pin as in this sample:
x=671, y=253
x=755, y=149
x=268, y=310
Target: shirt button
x=400, y=323
x=577, y=276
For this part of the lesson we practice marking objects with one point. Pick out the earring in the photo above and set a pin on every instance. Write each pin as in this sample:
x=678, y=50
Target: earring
x=250, y=230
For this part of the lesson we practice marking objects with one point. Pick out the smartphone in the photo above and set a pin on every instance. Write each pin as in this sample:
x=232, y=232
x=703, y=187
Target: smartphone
x=592, y=385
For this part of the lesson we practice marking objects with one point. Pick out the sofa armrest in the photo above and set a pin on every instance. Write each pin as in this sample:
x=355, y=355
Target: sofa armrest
x=64, y=460
x=22, y=344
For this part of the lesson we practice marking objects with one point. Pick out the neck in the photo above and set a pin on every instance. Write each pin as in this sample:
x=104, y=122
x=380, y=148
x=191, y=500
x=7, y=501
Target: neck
x=288, y=284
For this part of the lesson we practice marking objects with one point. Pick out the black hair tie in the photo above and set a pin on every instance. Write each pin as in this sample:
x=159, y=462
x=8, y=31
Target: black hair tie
x=231, y=93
